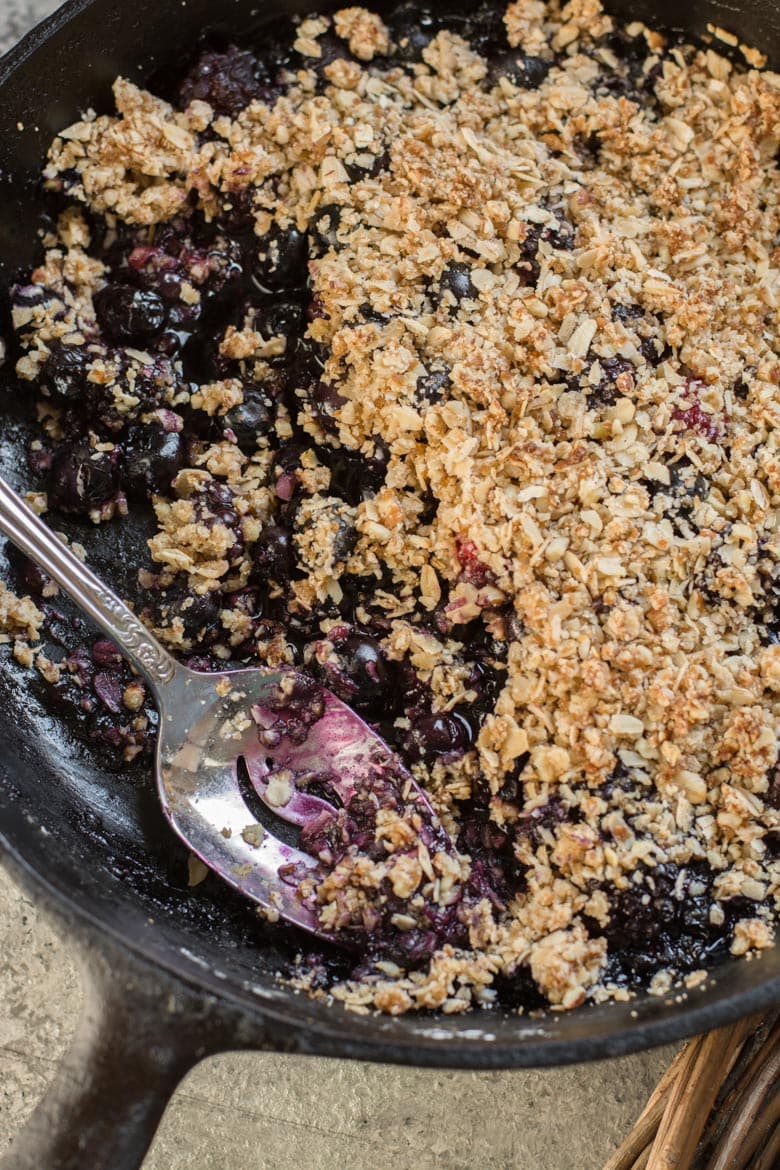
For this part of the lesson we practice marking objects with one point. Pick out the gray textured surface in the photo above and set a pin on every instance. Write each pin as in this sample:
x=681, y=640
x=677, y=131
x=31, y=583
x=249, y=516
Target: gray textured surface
x=265, y=1112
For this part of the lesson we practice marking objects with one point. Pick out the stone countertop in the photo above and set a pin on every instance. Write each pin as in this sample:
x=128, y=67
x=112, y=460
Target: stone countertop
x=265, y=1111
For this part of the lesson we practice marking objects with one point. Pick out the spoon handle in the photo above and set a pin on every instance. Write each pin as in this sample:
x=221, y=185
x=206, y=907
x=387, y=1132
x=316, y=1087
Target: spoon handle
x=36, y=540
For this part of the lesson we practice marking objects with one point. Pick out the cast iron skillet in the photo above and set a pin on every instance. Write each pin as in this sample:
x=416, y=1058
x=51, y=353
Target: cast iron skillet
x=174, y=974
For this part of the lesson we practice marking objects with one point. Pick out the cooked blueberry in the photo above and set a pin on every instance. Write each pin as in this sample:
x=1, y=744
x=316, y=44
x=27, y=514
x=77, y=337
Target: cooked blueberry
x=357, y=477
x=626, y=47
x=153, y=456
x=81, y=478
x=369, y=166
x=251, y=419
x=281, y=258
x=25, y=296
x=608, y=390
x=278, y=319
x=531, y=823
x=438, y=734
x=431, y=386
x=412, y=28
x=353, y=665
x=108, y=688
x=526, y=72
x=518, y=990
x=197, y=612
x=128, y=314
x=273, y=554
x=373, y=315
x=30, y=577
x=485, y=30
x=332, y=48
x=454, y=286
x=65, y=373
x=628, y=312
x=157, y=270
x=236, y=213
x=228, y=81
x=325, y=402
x=152, y=385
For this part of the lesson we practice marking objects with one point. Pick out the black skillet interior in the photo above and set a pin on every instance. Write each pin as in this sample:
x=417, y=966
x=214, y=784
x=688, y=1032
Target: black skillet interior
x=94, y=837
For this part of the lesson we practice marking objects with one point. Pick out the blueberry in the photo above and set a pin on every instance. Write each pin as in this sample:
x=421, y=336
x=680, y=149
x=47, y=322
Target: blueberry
x=281, y=259
x=438, y=734
x=518, y=990
x=356, y=477
x=526, y=72
x=373, y=316
x=325, y=402
x=485, y=30
x=560, y=238
x=278, y=319
x=236, y=212
x=355, y=668
x=630, y=312
x=530, y=823
x=454, y=286
x=332, y=48
x=272, y=555
x=379, y=163
x=152, y=458
x=128, y=315
x=218, y=271
x=228, y=81
x=30, y=577
x=607, y=392
x=65, y=374
x=198, y=612
x=431, y=385
x=152, y=385
x=652, y=348
x=251, y=419
x=412, y=28
x=307, y=365
x=80, y=479
x=157, y=270
x=25, y=296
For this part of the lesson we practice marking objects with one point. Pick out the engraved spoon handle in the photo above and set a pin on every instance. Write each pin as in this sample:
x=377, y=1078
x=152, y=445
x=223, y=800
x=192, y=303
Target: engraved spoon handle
x=29, y=533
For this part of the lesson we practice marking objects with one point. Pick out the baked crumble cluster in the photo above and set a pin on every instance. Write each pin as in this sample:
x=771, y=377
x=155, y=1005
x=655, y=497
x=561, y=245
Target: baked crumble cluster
x=445, y=348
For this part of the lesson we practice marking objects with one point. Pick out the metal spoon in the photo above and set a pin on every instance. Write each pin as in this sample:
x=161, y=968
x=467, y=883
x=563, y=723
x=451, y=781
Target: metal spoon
x=286, y=728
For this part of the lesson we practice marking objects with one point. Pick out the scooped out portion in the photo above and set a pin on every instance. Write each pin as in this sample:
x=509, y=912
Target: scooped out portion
x=443, y=349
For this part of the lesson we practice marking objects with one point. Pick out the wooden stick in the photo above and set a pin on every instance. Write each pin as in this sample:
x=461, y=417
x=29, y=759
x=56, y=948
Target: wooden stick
x=769, y=1157
x=641, y=1162
x=753, y=1114
x=646, y=1125
x=692, y=1097
x=752, y=1054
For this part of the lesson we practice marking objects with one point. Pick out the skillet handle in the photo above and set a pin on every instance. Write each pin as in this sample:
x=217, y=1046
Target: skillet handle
x=138, y=1035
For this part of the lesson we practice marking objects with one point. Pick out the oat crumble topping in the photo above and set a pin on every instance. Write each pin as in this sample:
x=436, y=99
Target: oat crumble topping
x=494, y=387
